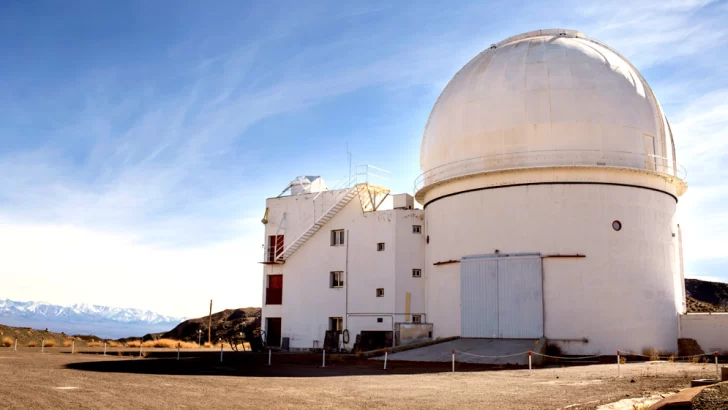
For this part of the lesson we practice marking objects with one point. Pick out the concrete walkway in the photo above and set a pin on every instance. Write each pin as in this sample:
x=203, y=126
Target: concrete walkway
x=469, y=351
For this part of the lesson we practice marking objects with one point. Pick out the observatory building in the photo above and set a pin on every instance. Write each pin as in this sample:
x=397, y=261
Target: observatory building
x=548, y=196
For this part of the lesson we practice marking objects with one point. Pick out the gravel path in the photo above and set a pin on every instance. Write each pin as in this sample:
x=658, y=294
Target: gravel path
x=32, y=380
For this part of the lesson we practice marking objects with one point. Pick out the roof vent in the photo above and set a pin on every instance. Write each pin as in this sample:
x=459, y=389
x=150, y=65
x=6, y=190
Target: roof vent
x=492, y=46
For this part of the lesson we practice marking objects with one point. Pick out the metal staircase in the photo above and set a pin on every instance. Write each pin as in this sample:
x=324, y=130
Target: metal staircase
x=341, y=203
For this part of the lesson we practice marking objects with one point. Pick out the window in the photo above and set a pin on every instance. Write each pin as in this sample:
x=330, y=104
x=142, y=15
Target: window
x=416, y=228
x=337, y=279
x=380, y=246
x=416, y=318
x=337, y=237
x=274, y=291
x=616, y=225
x=416, y=273
x=380, y=292
x=380, y=320
x=274, y=248
x=336, y=324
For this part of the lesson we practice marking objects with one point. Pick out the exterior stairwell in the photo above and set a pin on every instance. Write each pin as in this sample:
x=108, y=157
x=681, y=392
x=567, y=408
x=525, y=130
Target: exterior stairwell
x=341, y=203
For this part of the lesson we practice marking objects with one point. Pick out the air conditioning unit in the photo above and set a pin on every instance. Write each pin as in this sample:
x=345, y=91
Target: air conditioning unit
x=403, y=201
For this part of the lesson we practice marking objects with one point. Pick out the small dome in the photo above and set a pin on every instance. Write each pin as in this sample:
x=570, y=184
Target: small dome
x=546, y=91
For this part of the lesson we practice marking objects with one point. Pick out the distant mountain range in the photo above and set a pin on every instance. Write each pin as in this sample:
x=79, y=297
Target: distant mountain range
x=103, y=321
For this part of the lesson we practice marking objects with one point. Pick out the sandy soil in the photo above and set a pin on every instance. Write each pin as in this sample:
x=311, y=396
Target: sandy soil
x=59, y=380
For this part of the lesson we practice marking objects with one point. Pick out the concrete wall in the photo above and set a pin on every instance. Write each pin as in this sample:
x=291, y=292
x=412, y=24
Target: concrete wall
x=308, y=301
x=623, y=295
x=710, y=330
x=408, y=333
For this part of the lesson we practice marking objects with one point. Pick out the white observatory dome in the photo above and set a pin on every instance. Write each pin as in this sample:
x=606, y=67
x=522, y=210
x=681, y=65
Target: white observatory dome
x=545, y=98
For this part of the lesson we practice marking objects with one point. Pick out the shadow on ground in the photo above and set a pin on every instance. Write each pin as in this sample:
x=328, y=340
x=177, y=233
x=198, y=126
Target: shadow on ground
x=255, y=365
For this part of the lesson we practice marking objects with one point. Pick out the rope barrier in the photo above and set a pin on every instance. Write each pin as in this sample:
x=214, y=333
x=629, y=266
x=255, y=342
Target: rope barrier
x=491, y=357
x=628, y=353
x=568, y=358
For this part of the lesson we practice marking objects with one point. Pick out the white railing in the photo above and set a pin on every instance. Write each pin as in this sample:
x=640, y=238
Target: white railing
x=544, y=159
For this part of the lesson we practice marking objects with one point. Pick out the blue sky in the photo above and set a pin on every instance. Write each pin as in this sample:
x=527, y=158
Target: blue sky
x=139, y=140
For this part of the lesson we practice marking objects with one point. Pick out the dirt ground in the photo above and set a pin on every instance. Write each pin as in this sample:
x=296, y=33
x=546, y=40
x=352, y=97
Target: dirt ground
x=32, y=380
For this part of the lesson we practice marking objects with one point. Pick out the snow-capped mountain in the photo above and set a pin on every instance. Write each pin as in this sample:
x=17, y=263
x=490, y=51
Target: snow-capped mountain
x=85, y=318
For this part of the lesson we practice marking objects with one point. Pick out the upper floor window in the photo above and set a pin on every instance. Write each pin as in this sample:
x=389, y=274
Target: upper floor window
x=416, y=228
x=416, y=318
x=337, y=279
x=416, y=273
x=380, y=246
x=337, y=237
x=336, y=324
x=380, y=292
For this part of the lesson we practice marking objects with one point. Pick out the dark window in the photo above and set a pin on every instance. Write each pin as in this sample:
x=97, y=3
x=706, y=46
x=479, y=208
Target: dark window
x=275, y=248
x=416, y=228
x=616, y=225
x=336, y=323
x=380, y=320
x=380, y=292
x=337, y=279
x=337, y=237
x=416, y=318
x=416, y=273
x=380, y=246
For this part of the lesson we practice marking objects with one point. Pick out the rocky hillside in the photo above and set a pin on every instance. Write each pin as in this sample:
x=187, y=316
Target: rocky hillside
x=709, y=293
x=33, y=337
x=245, y=320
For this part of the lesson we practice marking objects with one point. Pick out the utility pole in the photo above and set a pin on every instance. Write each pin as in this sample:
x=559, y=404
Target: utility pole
x=209, y=326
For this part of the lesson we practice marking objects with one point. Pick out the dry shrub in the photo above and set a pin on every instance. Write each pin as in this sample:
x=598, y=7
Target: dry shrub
x=652, y=353
x=112, y=343
x=622, y=360
x=695, y=359
x=95, y=344
x=207, y=344
x=6, y=342
x=134, y=343
x=170, y=344
x=672, y=358
x=32, y=344
x=67, y=343
x=50, y=343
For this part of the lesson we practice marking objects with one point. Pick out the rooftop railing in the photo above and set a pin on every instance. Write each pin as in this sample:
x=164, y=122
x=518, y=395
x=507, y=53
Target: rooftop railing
x=548, y=159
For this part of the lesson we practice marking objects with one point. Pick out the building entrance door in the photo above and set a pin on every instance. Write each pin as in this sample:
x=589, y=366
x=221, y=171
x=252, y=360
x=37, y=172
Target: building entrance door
x=273, y=331
x=501, y=296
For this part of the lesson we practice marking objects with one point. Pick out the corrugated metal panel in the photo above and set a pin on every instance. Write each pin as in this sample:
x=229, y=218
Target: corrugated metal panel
x=520, y=307
x=501, y=297
x=479, y=298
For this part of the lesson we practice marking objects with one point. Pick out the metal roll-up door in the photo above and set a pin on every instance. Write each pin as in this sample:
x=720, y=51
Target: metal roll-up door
x=479, y=297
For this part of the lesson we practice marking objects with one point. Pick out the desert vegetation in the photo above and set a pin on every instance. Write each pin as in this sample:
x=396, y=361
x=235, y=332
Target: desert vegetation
x=32, y=343
x=50, y=343
x=95, y=344
x=134, y=343
x=6, y=341
x=170, y=344
x=67, y=343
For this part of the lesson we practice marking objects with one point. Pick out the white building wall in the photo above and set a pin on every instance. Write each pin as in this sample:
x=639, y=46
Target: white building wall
x=308, y=300
x=410, y=255
x=710, y=330
x=620, y=296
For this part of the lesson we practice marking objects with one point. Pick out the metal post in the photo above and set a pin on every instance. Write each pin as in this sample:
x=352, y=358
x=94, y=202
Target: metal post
x=323, y=364
x=42, y=346
x=221, y=345
x=619, y=363
x=386, y=352
x=453, y=360
x=269, y=356
x=104, y=348
x=530, y=369
x=140, y=348
x=73, y=346
x=717, y=369
x=15, y=348
x=178, y=344
x=199, y=337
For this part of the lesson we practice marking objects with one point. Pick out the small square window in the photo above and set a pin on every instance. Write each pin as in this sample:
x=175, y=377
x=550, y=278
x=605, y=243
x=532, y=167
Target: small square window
x=380, y=320
x=380, y=246
x=336, y=324
x=416, y=228
x=336, y=279
x=416, y=318
x=380, y=292
x=416, y=273
x=337, y=237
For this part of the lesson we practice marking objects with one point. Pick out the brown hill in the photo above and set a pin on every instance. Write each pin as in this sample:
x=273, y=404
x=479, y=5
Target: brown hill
x=714, y=293
x=27, y=336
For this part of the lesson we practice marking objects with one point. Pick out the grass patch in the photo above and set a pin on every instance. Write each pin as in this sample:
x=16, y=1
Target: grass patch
x=652, y=353
x=170, y=344
x=50, y=343
x=112, y=343
x=95, y=344
x=32, y=344
x=134, y=343
x=6, y=342
x=67, y=343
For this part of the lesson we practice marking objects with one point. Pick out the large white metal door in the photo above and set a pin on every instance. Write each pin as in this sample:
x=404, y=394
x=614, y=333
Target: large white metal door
x=479, y=297
x=501, y=297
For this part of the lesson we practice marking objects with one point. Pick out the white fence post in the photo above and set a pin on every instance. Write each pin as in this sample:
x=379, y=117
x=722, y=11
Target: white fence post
x=717, y=369
x=221, y=345
x=386, y=352
x=104, y=348
x=140, y=348
x=15, y=348
x=453, y=360
x=269, y=356
x=619, y=363
x=530, y=369
x=178, y=346
x=73, y=346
